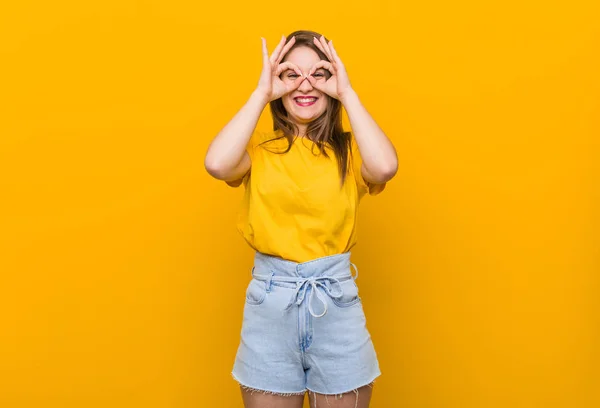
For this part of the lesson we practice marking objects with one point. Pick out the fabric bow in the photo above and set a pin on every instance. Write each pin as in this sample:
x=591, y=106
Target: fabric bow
x=315, y=282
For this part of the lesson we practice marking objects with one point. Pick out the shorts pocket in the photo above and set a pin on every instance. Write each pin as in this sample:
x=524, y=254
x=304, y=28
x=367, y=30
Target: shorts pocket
x=350, y=296
x=256, y=292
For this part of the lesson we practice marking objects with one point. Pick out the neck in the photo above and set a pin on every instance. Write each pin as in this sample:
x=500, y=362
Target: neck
x=302, y=131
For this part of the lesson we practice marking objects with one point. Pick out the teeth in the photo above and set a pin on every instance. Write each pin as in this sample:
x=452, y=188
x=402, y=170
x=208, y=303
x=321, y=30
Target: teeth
x=306, y=100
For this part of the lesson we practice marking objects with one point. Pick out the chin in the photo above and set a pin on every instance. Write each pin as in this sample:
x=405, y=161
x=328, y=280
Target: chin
x=304, y=115
x=305, y=120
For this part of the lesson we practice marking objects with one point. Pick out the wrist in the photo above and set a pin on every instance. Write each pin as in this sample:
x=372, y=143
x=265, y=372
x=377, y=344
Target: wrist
x=348, y=96
x=260, y=97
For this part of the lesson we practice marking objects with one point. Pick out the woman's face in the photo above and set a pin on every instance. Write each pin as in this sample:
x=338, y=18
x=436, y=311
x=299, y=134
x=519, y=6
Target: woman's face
x=305, y=103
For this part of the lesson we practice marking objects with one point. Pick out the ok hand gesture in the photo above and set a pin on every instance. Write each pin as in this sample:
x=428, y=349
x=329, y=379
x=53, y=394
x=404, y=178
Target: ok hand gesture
x=338, y=85
x=270, y=86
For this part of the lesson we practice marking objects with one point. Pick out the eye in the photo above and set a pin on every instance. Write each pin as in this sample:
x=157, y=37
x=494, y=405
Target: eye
x=292, y=75
x=318, y=74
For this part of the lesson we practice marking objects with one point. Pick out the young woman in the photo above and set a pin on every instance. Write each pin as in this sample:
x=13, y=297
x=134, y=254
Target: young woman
x=303, y=327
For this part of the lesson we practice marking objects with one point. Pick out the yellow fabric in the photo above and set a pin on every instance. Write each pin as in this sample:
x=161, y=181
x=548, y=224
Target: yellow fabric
x=293, y=206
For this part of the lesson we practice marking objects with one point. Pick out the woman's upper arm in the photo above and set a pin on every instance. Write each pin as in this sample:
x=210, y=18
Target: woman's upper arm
x=362, y=174
x=373, y=188
x=240, y=172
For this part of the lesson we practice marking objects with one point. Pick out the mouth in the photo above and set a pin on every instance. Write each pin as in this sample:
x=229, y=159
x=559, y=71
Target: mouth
x=304, y=101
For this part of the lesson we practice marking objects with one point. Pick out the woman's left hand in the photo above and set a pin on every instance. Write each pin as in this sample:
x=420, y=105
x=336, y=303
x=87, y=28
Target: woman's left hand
x=338, y=84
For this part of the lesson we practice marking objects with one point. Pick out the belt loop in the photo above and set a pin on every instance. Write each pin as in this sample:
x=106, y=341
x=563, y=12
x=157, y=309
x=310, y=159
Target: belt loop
x=356, y=269
x=269, y=280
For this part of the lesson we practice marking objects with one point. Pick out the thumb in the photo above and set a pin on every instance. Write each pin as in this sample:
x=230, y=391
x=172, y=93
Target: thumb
x=299, y=81
x=296, y=84
x=314, y=82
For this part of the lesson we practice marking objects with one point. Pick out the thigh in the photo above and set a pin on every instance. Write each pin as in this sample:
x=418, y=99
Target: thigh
x=341, y=354
x=358, y=398
x=268, y=355
x=258, y=399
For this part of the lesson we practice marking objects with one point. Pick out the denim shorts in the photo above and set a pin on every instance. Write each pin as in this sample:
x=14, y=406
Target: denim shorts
x=304, y=328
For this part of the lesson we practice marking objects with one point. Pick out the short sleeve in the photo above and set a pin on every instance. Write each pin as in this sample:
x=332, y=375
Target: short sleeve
x=250, y=148
x=363, y=185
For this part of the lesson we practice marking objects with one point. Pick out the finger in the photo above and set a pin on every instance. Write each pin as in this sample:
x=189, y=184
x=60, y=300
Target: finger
x=286, y=49
x=330, y=49
x=296, y=84
x=289, y=87
x=313, y=81
x=284, y=66
x=297, y=70
x=265, y=52
x=335, y=54
x=326, y=47
x=277, y=50
x=265, y=75
x=320, y=46
x=322, y=64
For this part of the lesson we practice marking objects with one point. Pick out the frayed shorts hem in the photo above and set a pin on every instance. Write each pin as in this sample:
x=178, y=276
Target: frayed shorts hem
x=369, y=383
x=256, y=389
x=289, y=394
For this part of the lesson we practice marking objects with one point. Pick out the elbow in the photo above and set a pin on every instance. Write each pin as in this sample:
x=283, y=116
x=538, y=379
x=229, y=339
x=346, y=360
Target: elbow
x=222, y=169
x=391, y=170
x=381, y=173
x=214, y=167
x=386, y=172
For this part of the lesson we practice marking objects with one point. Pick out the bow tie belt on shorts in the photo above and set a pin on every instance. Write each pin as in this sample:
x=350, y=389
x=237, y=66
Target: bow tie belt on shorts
x=302, y=283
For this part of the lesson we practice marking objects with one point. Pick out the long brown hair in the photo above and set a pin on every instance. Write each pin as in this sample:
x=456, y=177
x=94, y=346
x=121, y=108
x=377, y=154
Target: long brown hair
x=326, y=130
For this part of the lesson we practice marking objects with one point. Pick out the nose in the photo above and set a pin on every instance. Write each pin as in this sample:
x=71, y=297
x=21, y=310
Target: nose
x=305, y=86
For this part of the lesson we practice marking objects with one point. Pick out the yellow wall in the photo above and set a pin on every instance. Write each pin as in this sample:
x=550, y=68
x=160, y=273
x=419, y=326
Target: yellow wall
x=123, y=275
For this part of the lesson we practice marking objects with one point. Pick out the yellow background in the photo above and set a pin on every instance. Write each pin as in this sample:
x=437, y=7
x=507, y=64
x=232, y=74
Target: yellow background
x=122, y=274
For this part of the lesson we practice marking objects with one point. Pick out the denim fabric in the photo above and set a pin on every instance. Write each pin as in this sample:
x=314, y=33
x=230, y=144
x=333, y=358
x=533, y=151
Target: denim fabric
x=304, y=328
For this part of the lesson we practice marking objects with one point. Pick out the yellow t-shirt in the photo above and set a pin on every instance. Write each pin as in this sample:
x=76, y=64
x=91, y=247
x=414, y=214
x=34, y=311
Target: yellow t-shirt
x=293, y=206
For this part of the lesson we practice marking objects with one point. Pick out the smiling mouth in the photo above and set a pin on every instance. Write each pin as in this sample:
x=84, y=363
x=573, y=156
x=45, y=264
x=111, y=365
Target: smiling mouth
x=305, y=101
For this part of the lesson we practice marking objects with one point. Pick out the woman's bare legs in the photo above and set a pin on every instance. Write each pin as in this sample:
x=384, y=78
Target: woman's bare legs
x=258, y=399
x=359, y=398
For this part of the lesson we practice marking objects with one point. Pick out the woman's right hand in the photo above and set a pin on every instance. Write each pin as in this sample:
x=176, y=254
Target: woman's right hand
x=270, y=86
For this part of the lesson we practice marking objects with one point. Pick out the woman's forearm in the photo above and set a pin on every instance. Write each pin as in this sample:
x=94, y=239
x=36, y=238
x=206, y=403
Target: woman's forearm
x=377, y=151
x=226, y=150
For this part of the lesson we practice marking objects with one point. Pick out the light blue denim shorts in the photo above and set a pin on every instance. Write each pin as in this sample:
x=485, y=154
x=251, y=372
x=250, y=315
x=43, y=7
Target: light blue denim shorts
x=304, y=328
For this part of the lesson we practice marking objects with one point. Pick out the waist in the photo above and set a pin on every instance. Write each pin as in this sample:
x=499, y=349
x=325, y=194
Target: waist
x=318, y=275
x=276, y=268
